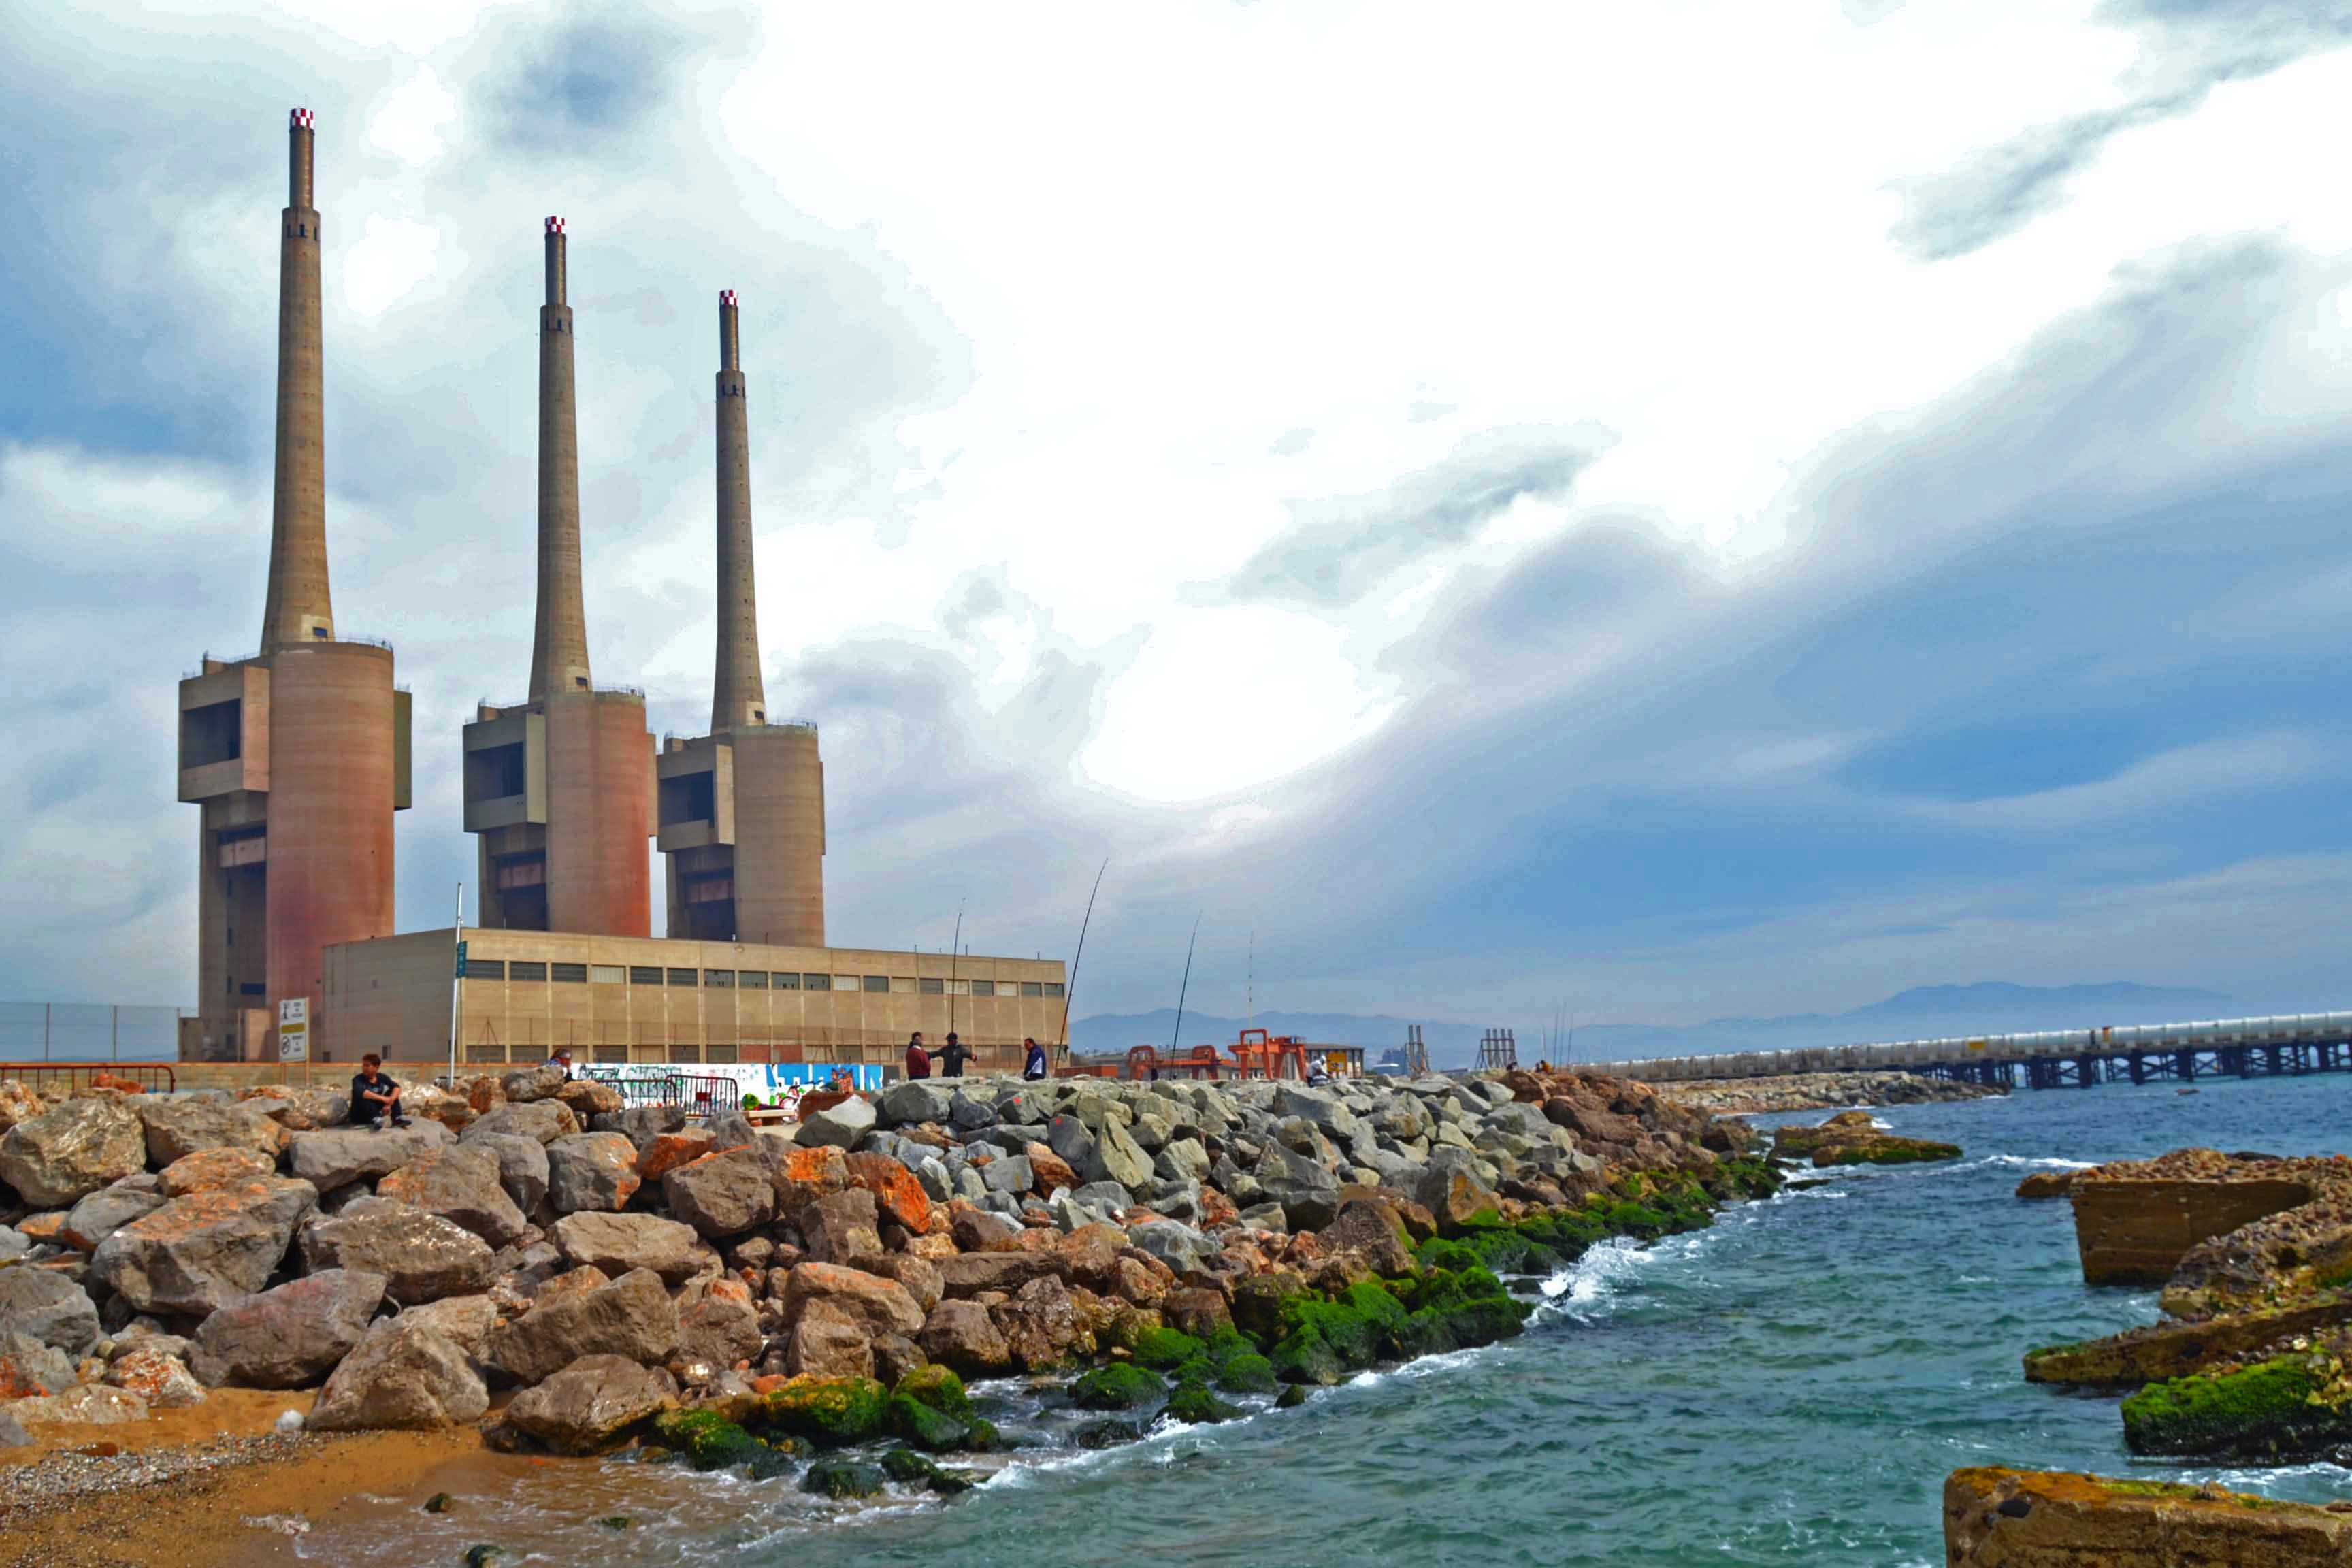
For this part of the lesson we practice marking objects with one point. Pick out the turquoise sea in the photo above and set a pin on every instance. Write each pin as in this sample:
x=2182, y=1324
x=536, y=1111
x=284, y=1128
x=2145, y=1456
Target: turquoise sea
x=1789, y=1387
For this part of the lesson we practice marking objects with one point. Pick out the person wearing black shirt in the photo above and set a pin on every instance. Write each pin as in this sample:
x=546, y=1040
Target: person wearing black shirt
x=375, y=1099
x=952, y=1055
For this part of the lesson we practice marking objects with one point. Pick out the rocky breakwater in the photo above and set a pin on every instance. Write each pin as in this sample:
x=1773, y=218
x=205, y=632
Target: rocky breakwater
x=1820, y=1092
x=2024, y=1519
x=811, y=1304
x=2254, y=1254
x=1855, y=1138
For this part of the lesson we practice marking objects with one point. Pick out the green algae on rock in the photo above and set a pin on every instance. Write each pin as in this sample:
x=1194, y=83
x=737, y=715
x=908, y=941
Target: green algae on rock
x=834, y=1410
x=2285, y=1405
x=1121, y=1385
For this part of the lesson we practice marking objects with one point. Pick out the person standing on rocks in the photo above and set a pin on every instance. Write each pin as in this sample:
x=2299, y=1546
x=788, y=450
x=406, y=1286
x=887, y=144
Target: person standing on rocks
x=375, y=1098
x=952, y=1055
x=918, y=1060
x=1033, y=1061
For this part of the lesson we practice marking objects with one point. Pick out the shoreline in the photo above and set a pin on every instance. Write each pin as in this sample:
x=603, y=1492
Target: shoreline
x=247, y=1495
x=1795, y=1092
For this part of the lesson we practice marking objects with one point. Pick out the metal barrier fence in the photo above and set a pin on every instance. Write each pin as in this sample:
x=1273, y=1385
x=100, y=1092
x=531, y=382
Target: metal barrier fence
x=88, y=1032
x=154, y=1078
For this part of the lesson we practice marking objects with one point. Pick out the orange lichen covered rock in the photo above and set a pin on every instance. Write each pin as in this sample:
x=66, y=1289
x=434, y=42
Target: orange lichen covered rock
x=895, y=1192
x=1996, y=1517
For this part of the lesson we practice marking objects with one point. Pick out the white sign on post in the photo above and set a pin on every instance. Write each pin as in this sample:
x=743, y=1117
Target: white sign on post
x=294, y=1029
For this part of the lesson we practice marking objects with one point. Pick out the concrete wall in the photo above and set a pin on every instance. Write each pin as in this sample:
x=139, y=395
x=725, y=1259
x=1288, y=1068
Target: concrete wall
x=779, y=835
x=600, y=815
x=2137, y=1232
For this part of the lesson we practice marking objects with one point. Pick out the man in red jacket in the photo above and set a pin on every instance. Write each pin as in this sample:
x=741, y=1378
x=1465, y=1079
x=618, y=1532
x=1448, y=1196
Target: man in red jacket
x=918, y=1060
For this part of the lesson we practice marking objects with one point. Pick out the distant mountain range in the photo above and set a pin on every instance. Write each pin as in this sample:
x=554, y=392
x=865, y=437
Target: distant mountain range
x=1923, y=1012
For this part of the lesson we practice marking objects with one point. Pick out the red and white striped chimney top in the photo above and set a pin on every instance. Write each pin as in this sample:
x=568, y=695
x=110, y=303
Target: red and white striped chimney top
x=727, y=296
x=555, y=225
x=299, y=120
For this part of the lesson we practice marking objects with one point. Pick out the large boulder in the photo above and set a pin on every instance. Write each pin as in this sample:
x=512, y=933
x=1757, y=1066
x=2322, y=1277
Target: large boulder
x=641, y=1124
x=92, y=1404
x=335, y=1158
x=50, y=1307
x=882, y=1306
x=841, y=1126
x=665, y=1152
x=1373, y=1230
x=588, y=1404
x=724, y=1194
x=962, y=1336
x=542, y=1080
x=18, y=1103
x=104, y=1212
x=522, y=1166
x=29, y=1368
x=405, y=1375
x=718, y=1321
x=1178, y=1246
x=591, y=1171
x=162, y=1380
x=66, y=1154
x=1455, y=1195
x=1049, y=1169
x=897, y=1194
x=841, y=1226
x=916, y=1099
x=1308, y=1192
x=467, y=1320
x=808, y=1174
x=1041, y=1325
x=976, y=1273
x=829, y=1340
x=199, y=1252
x=179, y=1125
x=588, y=1098
x=632, y=1317
x=213, y=1168
x=421, y=1256
x=290, y=1336
x=543, y=1119
x=297, y=1109
x=617, y=1243
x=461, y=1184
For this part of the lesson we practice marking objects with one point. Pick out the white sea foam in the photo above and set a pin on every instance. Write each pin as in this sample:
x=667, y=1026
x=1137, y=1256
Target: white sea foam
x=2026, y=1162
x=1585, y=1289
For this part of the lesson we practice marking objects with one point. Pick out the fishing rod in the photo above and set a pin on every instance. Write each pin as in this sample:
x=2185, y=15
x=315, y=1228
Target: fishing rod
x=955, y=951
x=1187, y=987
x=1070, y=992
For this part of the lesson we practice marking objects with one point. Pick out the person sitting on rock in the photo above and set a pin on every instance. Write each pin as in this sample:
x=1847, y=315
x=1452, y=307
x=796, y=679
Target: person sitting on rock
x=918, y=1060
x=375, y=1098
x=1033, y=1060
x=952, y=1055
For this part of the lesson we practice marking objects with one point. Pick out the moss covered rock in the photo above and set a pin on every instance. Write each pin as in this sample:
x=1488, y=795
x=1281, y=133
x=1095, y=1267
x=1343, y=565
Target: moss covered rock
x=1121, y=1385
x=1193, y=1404
x=827, y=1410
x=906, y=1466
x=2272, y=1408
x=708, y=1439
x=918, y=1424
x=1165, y=1349
x=843, y=1478
x=938, y=1387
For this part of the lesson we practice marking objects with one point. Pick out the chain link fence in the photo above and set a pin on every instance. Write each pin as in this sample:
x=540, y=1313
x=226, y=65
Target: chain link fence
x=88, y=1032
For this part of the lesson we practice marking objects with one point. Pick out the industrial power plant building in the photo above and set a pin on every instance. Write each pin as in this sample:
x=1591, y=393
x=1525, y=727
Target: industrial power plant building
x=298, y=755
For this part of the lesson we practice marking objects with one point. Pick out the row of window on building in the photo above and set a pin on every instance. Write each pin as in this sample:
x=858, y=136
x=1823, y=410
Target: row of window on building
x=751, y=979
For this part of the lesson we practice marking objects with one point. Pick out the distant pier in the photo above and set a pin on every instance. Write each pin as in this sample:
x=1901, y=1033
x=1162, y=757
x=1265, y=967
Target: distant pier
x=2286, y=1046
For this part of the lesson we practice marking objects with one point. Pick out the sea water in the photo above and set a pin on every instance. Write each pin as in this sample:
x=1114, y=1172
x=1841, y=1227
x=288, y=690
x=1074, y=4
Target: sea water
x=1789, y=1387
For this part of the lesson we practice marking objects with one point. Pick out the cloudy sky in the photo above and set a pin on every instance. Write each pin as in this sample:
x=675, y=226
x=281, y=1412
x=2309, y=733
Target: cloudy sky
x=1668, y=508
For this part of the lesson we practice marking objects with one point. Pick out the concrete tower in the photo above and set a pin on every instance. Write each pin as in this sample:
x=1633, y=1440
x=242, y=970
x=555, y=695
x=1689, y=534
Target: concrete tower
x=742, y=808
x=297, y=755
x=559, y=787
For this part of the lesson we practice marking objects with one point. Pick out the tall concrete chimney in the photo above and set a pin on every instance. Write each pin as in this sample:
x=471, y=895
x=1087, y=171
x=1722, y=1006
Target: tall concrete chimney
x=737, y=697
x=299, y=609
x=559, y=643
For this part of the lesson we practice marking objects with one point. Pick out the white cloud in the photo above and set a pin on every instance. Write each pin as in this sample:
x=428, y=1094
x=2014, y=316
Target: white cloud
x=392, y=256
x=413, y=116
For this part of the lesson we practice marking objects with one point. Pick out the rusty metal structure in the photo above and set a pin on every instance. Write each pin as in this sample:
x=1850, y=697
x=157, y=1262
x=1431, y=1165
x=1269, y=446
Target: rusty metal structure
x=740, y=811
x=297, y=755
x=1498, y=1051
x=559, y=788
